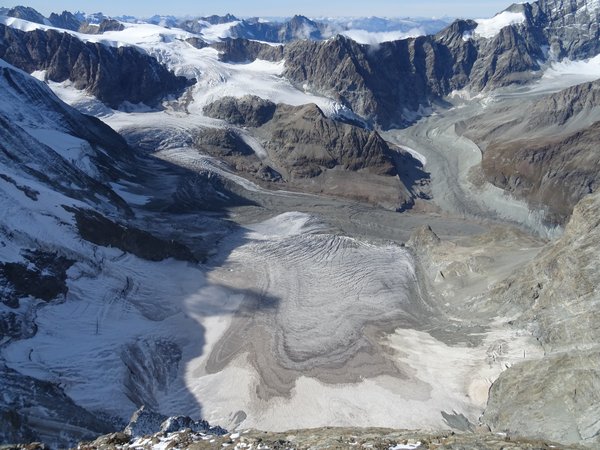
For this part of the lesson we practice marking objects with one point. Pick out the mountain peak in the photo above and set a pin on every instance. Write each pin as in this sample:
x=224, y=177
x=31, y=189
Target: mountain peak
x=27, y=13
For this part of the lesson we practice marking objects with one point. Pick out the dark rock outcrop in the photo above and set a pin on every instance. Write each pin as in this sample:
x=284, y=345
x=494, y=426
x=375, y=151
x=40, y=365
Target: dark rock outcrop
x=247, y=111
x=113, y=75
x=244, y=50
x=43, y=276
x=309, y=151
x=228, y=146
x=99, y=230
x=216, y=19
x=305, y=142
x=102, y=27
x=145, y=422
x=382, y=84
x=196, y=42
x=65, y=20
x=33, y=410
x=557, y=109
x=511, y=57
x=221, y=142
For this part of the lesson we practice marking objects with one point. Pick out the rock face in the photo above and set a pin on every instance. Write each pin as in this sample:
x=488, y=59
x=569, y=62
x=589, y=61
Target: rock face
x=555, y=172
x=98, y=229
x=387, y=83
x=376, y=83
x=145, y=422
x=542, y=150
x=306, y=142
x=102, y=27
x=65, y=20
x=44, y=276
x=556, y=298
x=113, y=75
x=557, y=109
x=248, y=111
x=297, y=28
x=27, y=13
x=322, y=438
x=244, y=50
x=308, y=150
x=571, y=28
x=222, y=142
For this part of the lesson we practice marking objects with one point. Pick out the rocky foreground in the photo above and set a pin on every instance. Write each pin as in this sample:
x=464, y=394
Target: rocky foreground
x=319, y=438
x=148, y=430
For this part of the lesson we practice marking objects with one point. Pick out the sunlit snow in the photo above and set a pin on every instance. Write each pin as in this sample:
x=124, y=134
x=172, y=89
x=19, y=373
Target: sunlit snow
x=489, y=28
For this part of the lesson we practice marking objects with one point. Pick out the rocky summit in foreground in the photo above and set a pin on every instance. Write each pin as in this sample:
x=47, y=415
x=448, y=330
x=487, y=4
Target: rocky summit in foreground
x=151, y=431
x=321, y=438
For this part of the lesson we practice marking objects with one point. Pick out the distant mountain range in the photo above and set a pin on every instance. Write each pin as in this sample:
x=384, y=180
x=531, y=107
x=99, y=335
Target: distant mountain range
x=276, y=30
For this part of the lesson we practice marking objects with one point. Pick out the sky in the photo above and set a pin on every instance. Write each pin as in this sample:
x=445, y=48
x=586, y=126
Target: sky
x=271, y=8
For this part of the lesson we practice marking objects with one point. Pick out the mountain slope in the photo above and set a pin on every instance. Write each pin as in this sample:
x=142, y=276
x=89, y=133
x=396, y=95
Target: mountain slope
x=542, y=149
x=556, y=297
x=113, y=75
x=70, y=247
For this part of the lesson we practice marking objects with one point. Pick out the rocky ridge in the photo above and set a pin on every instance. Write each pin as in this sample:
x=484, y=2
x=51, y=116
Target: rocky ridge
x=113, y=75
x=59, y=175
x=323, y=438
x=543, y=149
x=309, y=150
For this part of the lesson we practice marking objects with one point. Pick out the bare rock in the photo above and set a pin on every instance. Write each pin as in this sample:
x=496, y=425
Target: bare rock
x=424, y=238
x=552, y=172
x=555, y=297
x=249, y=111
x=113, y=75
x=244, y=50
x=305, y=142
x=102, y=27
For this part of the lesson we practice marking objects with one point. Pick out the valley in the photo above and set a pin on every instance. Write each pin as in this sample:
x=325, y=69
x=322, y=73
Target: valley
x=275, y=244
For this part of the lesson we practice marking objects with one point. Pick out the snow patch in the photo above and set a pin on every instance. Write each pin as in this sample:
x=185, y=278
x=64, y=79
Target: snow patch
x=566, y=73
x=76, y=151
x=284, y=225
x=489, y=28
x=377, y=37
x=406, y=446
x=214, y=33
x=123, y=189
x=415, y=154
